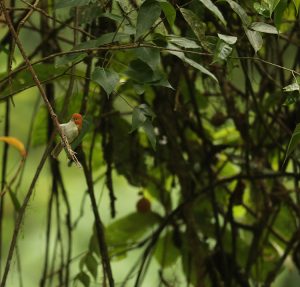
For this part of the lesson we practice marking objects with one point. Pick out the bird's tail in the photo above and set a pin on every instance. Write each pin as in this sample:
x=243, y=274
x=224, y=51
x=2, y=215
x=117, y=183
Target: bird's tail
x=57, y=149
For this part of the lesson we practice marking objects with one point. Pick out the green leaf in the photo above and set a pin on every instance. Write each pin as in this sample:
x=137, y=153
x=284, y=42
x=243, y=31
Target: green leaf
x=263, y=27
x=291, y=88
x=200, y=68
x=124, y=147
x=149, y=130
x=138, y=119
x=94, y=245
x=255, y=39
x=294, y=141
x=140, y=71
x=240, y=11
x=263, y=9
x=197, y=26
x=293, y=95
x=214, y=9
x=91, y=264
x=150, y=56
x=4, y=49
x=159, y=39
x=130, y=228
x=71, y=3
x=107, y=38
x=147, y=111
x=191, y=62
x=14, y=200
x=142, y=116
x=291, y=98
x=182, y=42
x=148, y=13
x=70, y=58
x=83, y=278
x=297, y=4
x=113, y=17
x=106, y=78
x=168, y=10
x=274, y=4
x=278, y=12
x=231, y=40
x=223, y=50
x=166, y=253
x=88, y=13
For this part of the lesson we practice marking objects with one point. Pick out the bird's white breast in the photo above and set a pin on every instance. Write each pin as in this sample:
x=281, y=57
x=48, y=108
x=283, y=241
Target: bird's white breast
x=70, y=130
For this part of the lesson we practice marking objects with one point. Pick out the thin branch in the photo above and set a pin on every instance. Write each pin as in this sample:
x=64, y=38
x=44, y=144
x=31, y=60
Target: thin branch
x=21, y=214
x=68, y=148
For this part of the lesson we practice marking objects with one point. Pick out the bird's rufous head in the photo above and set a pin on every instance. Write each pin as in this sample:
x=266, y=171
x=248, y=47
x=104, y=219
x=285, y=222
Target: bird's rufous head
x=77, y=118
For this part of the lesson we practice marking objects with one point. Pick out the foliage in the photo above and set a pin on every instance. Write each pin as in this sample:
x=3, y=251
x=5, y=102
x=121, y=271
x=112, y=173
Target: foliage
x=191, y=102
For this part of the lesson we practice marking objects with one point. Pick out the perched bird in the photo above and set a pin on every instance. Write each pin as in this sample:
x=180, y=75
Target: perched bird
x=71, y=130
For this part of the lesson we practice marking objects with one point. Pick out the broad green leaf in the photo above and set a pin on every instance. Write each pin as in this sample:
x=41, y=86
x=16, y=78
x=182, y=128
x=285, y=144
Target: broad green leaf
x=138, y=119
x=231, y=40
x=168, y=10
x=4, y=49
x=14, y=200
x=107, y=38
x=124, y=146
x=191, y=62
x=273, y=5
x=70, y=3
x=139, y=71
x=148, y=13
x=263, y=27
x=255, y=39
x=292, y=98
x=70, y=58
x=291, y=88
x=214, y=9
x=263, y=9
x=112, y=16
x=159, y=39
x=297, y=4
x=88, y=13
x=294, y=141
x=197, y=26
x=83, y=278
x=223, y=50
x=94, y=245
x=91, y=264
x=283, y=221
x=293, y=93
x=240, y=11
x=163, y=81
x=166, y=253
x=149, y=130
x=200, y=68
x=278, y=12
x=183, y=42
x=130, y=228
x=147, y=110
x=150, y=56
x=106, y=78
x=142, y=116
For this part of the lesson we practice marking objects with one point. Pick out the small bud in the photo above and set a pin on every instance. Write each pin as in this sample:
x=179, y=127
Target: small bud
x=143, y=205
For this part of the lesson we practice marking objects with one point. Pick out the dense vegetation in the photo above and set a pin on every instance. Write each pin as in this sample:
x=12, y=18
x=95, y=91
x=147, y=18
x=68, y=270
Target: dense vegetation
x=194, y=103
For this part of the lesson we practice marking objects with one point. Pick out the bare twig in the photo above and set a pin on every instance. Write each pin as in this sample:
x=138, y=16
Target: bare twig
x=68, y=148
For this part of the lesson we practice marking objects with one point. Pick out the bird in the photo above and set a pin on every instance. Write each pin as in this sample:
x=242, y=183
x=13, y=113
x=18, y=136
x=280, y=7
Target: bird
x=71, y=130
